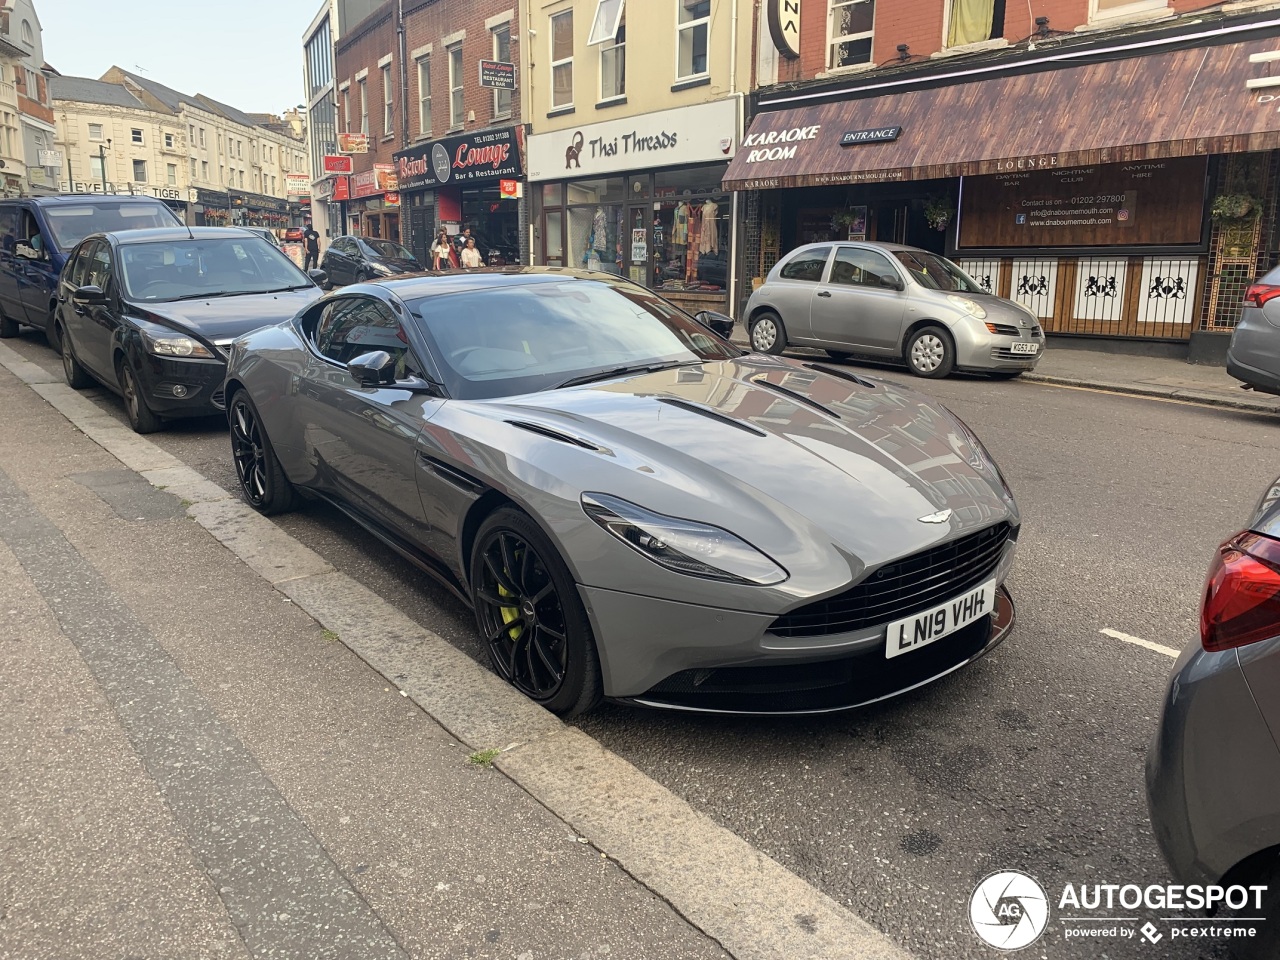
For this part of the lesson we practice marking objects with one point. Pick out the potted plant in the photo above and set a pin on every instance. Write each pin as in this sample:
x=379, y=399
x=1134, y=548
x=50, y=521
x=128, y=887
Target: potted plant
x=1229, y=207
x=938, y=212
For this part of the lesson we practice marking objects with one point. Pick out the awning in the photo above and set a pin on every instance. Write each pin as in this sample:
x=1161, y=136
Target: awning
x=1177, y=103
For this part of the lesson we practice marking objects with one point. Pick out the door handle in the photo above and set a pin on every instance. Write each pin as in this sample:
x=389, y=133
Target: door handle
x=824, y=293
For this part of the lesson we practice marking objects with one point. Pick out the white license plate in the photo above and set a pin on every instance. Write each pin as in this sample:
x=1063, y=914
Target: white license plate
x=1024, y=346
x=903, y=636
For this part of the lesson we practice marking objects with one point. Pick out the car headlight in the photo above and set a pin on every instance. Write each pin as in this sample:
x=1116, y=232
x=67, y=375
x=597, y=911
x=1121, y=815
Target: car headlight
x=382, y=270
x=177, y=346
x=971, y=307
x=685, y=546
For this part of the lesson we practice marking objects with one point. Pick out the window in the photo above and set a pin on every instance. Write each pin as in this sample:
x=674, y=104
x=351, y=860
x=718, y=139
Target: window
x=613, y=65
x=97, y=168
x=28, y=36
x=204, y=170
x=364, y=108
x=807, y=265
x=351, y=326
x=857, y=267
x=241, y=181
x=972, y=21
x=849, y=33
x=171, y=174
x=455, y=86
x=135, y=135
x=168, y=140
x=346, y=111
x=605, y=25
x=502, y=53
x=191, y=134
x=424, y=96
x=388, y=105
x=239, y=149
x=95, y=131
x=693, y=20
x=139, y=171
x=562, y=59
x=1122, y=8
x=202, y=143
x=193, y=168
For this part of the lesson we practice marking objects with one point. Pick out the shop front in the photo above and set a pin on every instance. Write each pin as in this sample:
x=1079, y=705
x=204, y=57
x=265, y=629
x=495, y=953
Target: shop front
x=235, y=208
x=1098, y=213
x=473, y=180
x=641, y=198
x=374, y=208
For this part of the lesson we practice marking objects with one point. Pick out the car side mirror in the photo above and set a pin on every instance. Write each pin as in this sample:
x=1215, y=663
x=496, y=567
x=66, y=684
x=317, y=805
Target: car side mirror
x=891, y=281
x=319, y=276
x=89, y=296
x=374, y=369
x=27, y=252
x=718, y=323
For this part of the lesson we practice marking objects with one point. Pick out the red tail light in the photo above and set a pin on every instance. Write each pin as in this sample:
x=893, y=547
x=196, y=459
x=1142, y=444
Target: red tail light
x=1242, y=593
x=1259, y=293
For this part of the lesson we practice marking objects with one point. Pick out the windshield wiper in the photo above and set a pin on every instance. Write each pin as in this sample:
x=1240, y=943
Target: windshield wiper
x=622, y=371
x=204, y=296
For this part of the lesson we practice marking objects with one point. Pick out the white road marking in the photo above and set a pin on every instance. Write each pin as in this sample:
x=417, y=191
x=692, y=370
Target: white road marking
x=1139, y=642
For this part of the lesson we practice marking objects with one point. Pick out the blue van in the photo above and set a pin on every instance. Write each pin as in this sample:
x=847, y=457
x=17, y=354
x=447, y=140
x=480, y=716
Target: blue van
x=37, y=234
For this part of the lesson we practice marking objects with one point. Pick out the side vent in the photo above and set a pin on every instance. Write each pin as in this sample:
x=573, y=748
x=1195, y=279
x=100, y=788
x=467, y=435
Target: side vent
x=452, y=475
x=711, y=414
x=842, y=374
x=552, y=434
x=794, y=396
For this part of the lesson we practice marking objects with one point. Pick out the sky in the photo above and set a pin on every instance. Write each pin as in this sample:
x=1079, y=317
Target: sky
x=245, y=53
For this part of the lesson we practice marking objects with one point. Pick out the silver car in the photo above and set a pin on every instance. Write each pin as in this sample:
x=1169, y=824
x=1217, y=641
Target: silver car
x=634, y=507
x=1254, y=354
x=885, y=299
x=1213, y=771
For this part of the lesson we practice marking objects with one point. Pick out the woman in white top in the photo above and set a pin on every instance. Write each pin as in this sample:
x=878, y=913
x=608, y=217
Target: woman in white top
x=470, y=255
x=440, y=251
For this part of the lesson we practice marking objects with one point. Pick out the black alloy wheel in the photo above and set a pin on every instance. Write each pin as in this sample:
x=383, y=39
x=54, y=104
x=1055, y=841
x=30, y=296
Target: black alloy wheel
x=141, y=417
x=529, y=613
x=8, y=328
x=77, y=377
x=262, y=479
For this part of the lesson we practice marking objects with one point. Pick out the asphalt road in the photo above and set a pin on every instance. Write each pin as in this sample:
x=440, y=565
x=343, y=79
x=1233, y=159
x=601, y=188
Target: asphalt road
x=1031, y=759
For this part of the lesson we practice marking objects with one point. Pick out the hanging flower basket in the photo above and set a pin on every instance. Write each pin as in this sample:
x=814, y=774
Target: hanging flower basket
x=1228, y=207
x=938, y=212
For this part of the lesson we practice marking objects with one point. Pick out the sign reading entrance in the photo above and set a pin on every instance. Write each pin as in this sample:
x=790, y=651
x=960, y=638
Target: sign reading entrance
x=873, y=135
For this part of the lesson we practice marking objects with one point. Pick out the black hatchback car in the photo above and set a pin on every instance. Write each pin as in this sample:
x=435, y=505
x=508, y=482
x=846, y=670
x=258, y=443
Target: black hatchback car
x=357, y=259
x=148, y=313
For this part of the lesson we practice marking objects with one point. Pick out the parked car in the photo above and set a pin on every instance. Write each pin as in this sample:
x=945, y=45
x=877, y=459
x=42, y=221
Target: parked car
x=149, y=313
x=1213, y=770
x=614, y=491
x=265, y=234
x=37, y=233
x=1254, y=353
x=357, y=259
x=888, y=300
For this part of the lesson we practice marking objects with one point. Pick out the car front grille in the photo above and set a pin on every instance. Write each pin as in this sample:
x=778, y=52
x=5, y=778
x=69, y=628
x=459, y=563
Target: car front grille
x=902, y=588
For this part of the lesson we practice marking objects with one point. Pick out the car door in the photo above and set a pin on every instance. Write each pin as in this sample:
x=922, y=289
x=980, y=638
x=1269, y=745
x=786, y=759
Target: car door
x=791, y=294
x=92, y=327
x=11, y=265
x=335, y=262
x=362, y=439
x=854, y=307
x=39, y=278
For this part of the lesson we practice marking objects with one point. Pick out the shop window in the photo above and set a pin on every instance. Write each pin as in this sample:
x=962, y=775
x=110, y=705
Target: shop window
x=139, y=171
x=502, y=53
x=388, y=103
x=562, y=59
x=424, y=96
x=972, y=21
x=613, y=66
x=456, y=116
x=690, y=237
x=849, y=33
x=596, y=225
x=693, y=21
x=807, y=265
x=857, y=267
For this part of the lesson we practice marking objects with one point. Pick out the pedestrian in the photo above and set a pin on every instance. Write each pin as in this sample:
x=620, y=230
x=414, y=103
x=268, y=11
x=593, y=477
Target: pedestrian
x=441, y=250
x=312, y=241
x=460, y=241
x=471, y=256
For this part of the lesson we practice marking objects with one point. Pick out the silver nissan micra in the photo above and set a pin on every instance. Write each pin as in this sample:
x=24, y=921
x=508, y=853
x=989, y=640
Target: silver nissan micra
x=885, y=299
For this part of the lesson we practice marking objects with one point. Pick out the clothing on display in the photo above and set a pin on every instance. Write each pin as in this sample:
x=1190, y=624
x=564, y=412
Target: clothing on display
x=709, y=240
x=680, y=230
x=599, y=228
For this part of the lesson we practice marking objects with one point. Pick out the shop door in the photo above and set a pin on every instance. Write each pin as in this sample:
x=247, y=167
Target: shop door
x=637, y=245
x=391, y=222
x=421, y=234
x=891, y=222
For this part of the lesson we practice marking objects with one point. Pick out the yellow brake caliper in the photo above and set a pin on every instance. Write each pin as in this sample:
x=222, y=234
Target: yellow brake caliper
x=509, y=614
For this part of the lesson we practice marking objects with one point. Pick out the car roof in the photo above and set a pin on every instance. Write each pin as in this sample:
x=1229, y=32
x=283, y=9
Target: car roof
x=873, y=244
x=156, y=234
x=438, y=283
x=82, y=197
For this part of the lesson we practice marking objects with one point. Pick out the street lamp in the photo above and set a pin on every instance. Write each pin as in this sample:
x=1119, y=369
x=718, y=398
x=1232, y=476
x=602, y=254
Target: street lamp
x=102, y=162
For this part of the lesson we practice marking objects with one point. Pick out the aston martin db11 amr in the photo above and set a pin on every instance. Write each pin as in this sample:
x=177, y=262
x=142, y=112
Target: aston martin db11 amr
x=634, y=507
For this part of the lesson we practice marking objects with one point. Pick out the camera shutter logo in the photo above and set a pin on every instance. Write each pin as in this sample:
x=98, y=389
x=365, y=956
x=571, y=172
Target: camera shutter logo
x=1009, y=910
x=440, y=163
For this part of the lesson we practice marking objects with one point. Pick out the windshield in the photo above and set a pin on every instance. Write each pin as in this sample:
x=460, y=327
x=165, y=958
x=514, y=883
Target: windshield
x=520, y=338
x=175, y=269
x=388, y=250
x=935, y=272
x=72, y=222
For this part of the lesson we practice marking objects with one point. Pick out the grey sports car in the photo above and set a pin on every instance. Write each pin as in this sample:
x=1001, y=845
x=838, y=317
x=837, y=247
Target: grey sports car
x=634, y=507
